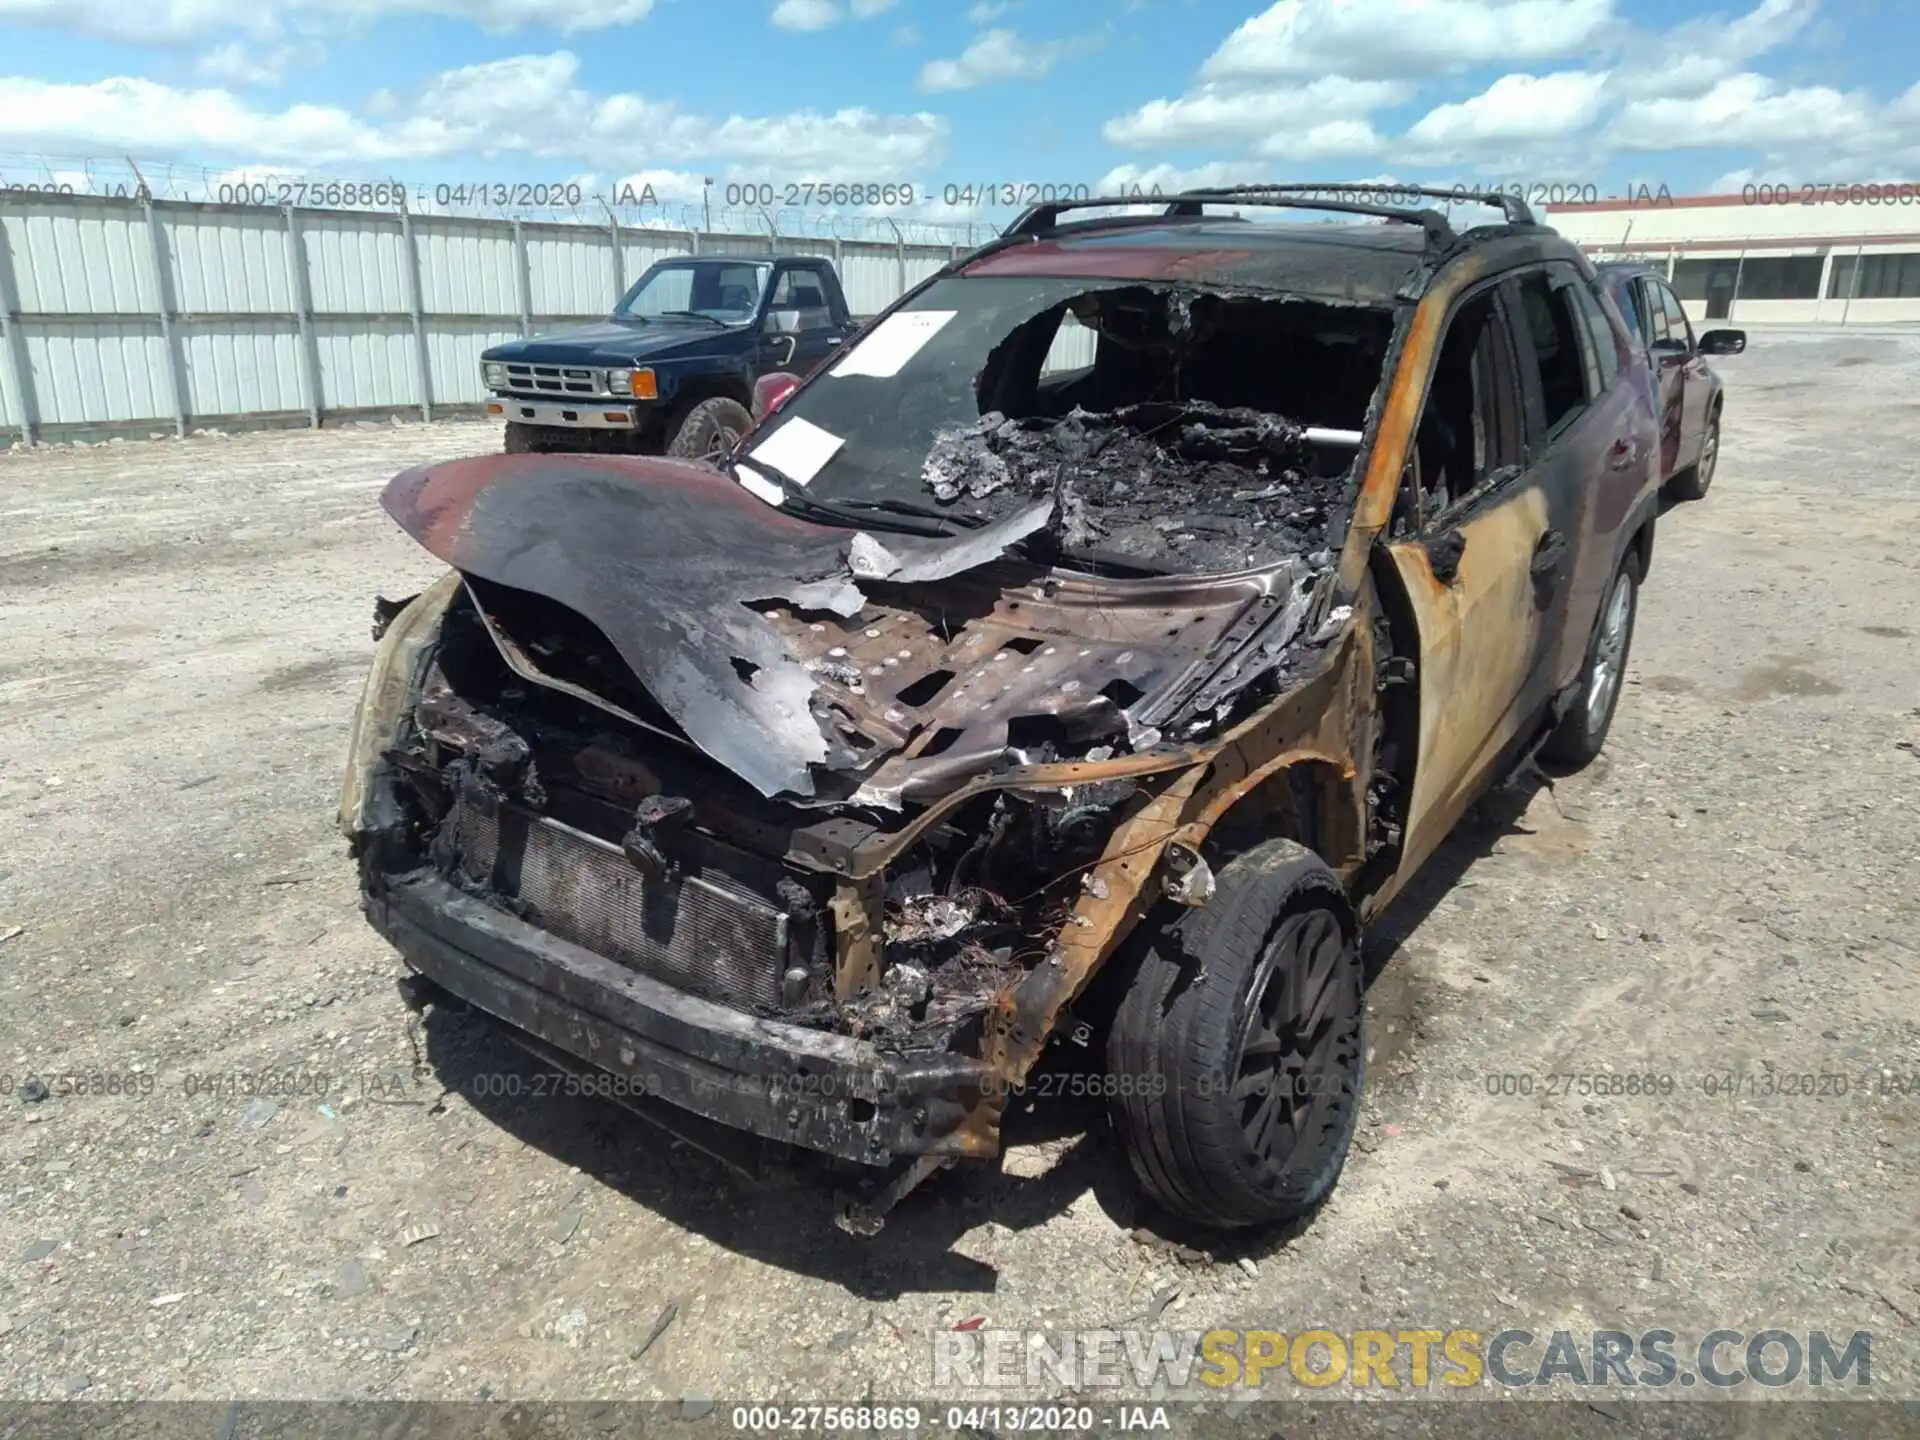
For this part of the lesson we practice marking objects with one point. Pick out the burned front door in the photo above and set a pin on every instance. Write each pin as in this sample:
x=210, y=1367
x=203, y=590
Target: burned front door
x=1467, y=567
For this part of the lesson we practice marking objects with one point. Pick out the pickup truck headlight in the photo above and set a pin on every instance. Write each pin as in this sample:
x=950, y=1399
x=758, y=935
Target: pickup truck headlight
x=494, y=375
x=640, y=384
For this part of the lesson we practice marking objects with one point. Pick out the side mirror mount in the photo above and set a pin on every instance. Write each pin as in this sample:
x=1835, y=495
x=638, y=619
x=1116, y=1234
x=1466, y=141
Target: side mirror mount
x=770, y=392
x=1723, y=342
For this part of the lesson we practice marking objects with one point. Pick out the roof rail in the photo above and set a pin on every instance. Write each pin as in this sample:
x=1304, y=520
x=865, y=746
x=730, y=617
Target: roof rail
x=1516, y=210
x=1187, y=204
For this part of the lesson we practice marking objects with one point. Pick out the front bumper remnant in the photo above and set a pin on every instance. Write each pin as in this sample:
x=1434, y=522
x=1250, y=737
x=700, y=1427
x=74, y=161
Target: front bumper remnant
x=583, y=414
x=825, y=1092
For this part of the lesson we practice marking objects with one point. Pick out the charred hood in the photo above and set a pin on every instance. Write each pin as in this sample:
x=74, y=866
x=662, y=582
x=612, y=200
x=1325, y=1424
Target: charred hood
x=824, y=664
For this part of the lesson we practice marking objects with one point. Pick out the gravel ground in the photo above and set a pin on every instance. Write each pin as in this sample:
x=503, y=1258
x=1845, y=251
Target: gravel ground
x=1727, y=893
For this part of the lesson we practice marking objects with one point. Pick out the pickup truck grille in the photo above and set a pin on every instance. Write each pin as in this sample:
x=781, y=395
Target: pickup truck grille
x=556, y=380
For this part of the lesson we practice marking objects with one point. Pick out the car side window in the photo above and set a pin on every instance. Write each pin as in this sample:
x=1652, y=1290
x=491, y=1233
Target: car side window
x=1560, y=367
x=1606, y=349
x=1629, y=296
x=1678, y=326
x=800, y=301
x=1656, y=326
x=1470, y=426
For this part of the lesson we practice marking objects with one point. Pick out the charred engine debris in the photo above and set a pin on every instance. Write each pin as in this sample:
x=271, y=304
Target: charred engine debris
x=1176, y=485
x=975, y=905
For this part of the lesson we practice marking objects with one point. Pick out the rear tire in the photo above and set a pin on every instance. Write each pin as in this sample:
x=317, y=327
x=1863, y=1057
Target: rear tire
x=1692, y=482
x=710, y=429
x=1237, y=1054
x=1576, y=740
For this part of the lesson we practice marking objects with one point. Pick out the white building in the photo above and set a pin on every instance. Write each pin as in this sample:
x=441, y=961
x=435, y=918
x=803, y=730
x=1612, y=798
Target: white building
x=1773, y=253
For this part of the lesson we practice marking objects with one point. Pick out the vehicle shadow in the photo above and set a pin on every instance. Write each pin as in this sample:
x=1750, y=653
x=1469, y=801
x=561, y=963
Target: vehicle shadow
x=784, y=1215
x=1058, y=1140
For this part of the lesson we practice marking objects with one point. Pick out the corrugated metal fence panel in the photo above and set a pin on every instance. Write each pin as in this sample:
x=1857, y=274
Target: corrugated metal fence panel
x=80, y=259
x=454, y=347
x=94, y=371
x=9, y=403
x=641, y=250
x=571, y=269
x=96, y=360
x=467, y=268
x=242, y=367
x=870, y=276
x=1072, y=347
x=365, y=366
x=223, y=262
x=357, y=264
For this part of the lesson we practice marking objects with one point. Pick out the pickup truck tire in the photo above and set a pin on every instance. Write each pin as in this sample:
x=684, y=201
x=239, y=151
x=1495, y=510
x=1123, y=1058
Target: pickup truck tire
x=1236, y=1056
x=710, y=428
x=523, y=439
x=1582, y=730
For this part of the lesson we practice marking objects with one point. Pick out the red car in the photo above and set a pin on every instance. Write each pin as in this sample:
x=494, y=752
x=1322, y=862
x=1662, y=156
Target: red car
x=1691, y=393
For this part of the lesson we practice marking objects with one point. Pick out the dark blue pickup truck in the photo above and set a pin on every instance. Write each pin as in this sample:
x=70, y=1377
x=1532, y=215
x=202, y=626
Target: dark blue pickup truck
x=671, y=370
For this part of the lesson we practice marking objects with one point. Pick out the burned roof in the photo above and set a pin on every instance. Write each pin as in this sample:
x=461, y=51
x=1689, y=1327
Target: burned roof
x=1359, y=264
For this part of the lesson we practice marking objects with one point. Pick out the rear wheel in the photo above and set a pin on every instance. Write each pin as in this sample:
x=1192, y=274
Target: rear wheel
x=1582, y=730
x=1692, y=483
x=1236, y=1056
x=710, y=429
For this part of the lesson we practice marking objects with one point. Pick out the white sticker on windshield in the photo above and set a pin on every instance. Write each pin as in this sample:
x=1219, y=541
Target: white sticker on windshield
x=890, y=344
x=757, y=484
x=798, y=449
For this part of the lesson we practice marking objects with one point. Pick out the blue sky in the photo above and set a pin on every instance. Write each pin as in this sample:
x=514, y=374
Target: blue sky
x=937, y=95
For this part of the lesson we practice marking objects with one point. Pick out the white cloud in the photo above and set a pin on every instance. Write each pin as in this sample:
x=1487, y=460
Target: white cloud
x=526, y=105
x=187, y=22
x=805, y=14
x=996, y=56
x=984, y=12
x=1751, y=110
x=239, y=63
x=820, y=14
x=1272, y=116
x=1697, y=54
x=1514, y=108
x=1387, y=39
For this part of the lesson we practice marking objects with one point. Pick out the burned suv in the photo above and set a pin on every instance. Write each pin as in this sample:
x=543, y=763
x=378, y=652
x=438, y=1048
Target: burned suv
x=1127, y=613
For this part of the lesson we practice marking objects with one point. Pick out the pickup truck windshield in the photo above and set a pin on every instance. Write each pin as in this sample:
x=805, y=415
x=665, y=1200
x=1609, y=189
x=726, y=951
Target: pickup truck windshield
x=724, y=290
x=1172, y=422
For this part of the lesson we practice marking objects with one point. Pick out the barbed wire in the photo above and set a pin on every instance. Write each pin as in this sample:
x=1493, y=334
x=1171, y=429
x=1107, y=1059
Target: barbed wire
x=833, y=214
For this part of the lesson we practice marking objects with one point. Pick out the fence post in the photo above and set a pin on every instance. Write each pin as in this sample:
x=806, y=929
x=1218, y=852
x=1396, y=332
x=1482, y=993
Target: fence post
x=522, y=281
x=17, y=370
x=693, y=240
x=619, y=258
x=422, y=361
x=303, y=313
x=899, y=258
x=1853, y=280
x=162, y=290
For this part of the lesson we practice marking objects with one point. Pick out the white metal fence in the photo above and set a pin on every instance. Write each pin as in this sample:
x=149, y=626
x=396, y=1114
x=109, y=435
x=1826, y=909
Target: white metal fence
x=136, y=316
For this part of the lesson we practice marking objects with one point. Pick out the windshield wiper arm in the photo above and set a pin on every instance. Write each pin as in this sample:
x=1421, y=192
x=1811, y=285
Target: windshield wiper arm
x=697, y=315
x=924, y=512
x=797, y=501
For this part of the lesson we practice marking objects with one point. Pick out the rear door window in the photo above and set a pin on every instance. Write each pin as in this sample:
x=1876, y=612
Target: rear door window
x=1606, y=351
x=1561, y=368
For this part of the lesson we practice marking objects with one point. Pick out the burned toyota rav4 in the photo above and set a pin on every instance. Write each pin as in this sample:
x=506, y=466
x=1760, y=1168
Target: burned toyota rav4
x=1091, y=649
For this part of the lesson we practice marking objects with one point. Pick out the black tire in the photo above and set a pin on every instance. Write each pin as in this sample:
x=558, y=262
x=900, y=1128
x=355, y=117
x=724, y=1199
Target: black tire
x=1187, y=1047
x=710, y=429
x=523, y=439
x=1582, y=730
x=1692, y=482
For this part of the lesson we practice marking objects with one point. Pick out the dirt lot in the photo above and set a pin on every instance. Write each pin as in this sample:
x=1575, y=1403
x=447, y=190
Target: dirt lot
x=1729, y=892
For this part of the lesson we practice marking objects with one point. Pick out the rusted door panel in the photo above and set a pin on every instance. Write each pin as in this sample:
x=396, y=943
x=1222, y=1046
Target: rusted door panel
x=1481, y=639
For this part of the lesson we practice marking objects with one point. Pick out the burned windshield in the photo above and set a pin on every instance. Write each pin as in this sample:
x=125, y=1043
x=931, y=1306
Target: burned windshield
x=724, y=290
x=1180, y=429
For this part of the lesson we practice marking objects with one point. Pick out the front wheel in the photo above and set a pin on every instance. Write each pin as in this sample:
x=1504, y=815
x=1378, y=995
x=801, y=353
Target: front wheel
x=523, y=439
x=710, y=430
x=1692, y=483
x=1582, y=730
x=1237, y=1053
